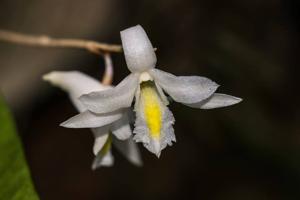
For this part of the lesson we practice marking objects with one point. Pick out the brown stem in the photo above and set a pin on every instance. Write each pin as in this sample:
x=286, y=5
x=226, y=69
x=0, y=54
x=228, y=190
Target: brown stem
x=46, y=41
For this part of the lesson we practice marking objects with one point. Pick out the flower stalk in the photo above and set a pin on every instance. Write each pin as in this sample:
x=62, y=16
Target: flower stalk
x=46, y=41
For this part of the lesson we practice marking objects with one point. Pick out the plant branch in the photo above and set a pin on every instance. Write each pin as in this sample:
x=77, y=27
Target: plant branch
x=103, y=49
x=46, y=41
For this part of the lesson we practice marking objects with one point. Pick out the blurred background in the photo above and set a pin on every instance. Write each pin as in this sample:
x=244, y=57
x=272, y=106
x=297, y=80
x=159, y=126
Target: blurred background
x=249, y=47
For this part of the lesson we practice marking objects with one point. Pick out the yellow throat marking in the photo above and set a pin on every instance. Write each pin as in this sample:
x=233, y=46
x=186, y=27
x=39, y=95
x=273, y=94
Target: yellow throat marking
x=106, y=147
x=151, y=104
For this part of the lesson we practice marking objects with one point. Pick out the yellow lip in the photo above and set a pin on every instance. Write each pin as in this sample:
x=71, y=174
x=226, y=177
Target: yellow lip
x=151, y=104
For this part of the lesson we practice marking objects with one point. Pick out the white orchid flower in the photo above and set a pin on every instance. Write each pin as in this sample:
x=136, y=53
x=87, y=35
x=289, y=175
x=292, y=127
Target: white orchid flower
x=116, y=122
x=154, y=121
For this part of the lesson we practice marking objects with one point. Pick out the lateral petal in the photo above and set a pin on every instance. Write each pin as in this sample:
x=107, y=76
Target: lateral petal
x=217, y=100
x=87, y=119
x=112, y=99
x=184, y=89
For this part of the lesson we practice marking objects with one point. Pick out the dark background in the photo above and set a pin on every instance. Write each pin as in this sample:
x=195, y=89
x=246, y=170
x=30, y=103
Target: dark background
x=250, y=47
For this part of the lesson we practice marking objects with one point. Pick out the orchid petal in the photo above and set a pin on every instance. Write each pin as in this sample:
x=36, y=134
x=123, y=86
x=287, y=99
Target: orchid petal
x=130, y=150
x=184, y=89
x=121, y=128
x=101, y=136
x=155, y=146
x=112, y=99
x=99, y=143
x=88, y=119
x=75, y=83
x=138, y=50
x=104, y=156
x=216, y=101
x=154, y=121
x=106, y=160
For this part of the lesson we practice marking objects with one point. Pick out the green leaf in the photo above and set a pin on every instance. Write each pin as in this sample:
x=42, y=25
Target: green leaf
x=15, y=180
